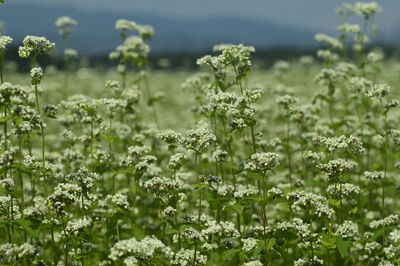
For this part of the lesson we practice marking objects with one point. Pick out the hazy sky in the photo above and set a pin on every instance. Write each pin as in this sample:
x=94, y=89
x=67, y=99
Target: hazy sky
x=314, y=14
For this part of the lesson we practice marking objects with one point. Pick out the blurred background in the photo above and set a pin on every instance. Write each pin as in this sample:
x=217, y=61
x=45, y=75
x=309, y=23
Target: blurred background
x=185, y=29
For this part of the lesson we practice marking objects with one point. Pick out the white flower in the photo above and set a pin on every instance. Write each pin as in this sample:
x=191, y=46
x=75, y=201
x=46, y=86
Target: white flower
x=185, y=257
x=140, y=250
x=4, y=41
x=36, y=75
x=65, y=21
x=262, y=162
x=76, y=227
x=70, y=53
x=321, y=37
x=348, y=229
x=249, y=243
x=34, y=45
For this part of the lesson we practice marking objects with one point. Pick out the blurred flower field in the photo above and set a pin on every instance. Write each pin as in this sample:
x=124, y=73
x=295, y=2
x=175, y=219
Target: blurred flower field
x=236, y=164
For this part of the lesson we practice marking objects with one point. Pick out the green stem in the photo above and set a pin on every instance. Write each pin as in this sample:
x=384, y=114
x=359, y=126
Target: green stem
x=288, y=151
x=253, y=139
x=91, y=140
x=118, y=230
x=21, y=179
x=200, y=195
x=385, y=174
x=341, y=202
x=66, y=245
x=12, y=219
x=5, y=134
x=264, y=217
x=1, y=70
x=176, y=218
x=154, y=107
x=110, y=151
x=43, y=137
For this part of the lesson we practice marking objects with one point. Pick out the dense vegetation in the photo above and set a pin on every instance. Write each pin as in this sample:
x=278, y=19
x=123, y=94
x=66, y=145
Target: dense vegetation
x=295, y=165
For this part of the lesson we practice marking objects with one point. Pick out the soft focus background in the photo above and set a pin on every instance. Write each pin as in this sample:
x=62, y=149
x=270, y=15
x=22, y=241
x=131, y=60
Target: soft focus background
x=183, y=26
x=285, y=156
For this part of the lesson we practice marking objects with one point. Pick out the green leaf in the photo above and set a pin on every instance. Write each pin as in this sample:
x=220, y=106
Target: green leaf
x=108, y=138
x=236, y=208
x=354, y=210
x=171, y=231
x=5, y=118
x=13, y=193
x=286, y=235
x=270, y=243
x=256, y=176
x=328, y=241
x=230, y=165
x=334, y=202
x=343, y=246
x=26, y=224
x=250, y=200
x=215, y=259
x=221, y=85
x=283, y=253
x=51, y=116
x=200, y=186
x=230, y=256
x=263, y=202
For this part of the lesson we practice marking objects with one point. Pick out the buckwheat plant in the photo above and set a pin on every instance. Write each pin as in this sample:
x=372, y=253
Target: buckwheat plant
x=65, y=25
x=33, y=46
x=261, y=163
x=293, y=164
x=4, y=41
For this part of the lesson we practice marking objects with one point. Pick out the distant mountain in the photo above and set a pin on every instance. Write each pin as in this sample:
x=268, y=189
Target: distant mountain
x=96, y=34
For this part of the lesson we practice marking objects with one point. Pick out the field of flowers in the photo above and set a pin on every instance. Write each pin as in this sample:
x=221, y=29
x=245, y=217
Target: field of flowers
x=232, y=164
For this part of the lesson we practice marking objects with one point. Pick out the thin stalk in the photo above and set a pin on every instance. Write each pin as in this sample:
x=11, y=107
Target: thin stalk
x=264, y=218
x=200, y=193
x=154, y=107
x=123, y=76
x=110, y=151
x=43, y=137
x=91, y=139
x=109, y=133
x=118, y=230
x=253, y=139
x=5, y=112
x=65, y=44
x=136, y=192
x=5, y=133
x=11, y=225
x=82, y=258
x=176, y=217
x=20, y=174
x=21, y=180
x=53, y=246
x=5, y=130
x=312, y=252
x=200, y=196
x=385, y=174
x=1, y=70
x=31, y=177
x=66, y=245
x=341, y=202
x=231, y=158
x=163, y=229
x=288, y=151
x=5, y=109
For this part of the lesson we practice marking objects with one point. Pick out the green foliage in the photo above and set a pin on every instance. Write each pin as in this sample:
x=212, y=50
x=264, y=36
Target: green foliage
x=228, y=165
